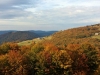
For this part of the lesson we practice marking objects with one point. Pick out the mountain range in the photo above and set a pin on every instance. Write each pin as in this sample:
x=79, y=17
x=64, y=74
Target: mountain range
x=17, y=36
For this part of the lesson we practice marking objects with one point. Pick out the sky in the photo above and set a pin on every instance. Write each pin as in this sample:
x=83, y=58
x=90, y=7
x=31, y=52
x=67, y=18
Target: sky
x=48, y=14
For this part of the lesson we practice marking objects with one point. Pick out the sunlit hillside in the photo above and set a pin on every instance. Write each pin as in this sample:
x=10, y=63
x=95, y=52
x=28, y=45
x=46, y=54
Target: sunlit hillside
x=74, y=51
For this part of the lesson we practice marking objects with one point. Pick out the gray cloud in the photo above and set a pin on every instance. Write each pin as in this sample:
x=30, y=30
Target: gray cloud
x=32, y=14
x=69, y=16
x=11, y=14
x=8, y=4
x=15, y=8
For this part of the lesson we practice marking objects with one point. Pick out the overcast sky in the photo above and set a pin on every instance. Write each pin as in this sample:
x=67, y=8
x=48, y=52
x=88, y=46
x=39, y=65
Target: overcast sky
x=48, y=14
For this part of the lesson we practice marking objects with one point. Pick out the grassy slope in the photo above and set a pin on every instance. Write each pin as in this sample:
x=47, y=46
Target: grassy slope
x=28, y=42
x=96, y=36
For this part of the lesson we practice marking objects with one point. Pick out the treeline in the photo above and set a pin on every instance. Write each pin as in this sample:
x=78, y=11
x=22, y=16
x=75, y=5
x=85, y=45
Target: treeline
x=49, y=59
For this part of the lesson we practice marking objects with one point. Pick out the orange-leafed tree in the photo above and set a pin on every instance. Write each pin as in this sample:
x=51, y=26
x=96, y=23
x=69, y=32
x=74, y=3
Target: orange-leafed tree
x=16, y=60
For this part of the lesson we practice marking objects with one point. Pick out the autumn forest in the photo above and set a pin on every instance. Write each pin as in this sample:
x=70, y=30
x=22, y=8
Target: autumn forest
x=73, y=51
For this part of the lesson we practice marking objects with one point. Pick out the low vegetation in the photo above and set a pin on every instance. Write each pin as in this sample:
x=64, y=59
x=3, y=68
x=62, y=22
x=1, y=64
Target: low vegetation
x=96, y=36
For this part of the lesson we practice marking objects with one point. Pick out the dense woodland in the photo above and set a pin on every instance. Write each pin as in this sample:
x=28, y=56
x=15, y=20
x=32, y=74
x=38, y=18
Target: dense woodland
x=68, y=52
x=77, y=35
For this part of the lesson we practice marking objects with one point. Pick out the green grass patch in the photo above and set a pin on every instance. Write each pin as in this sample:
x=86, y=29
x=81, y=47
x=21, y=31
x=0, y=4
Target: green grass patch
x=28, y=42
x=96, y=36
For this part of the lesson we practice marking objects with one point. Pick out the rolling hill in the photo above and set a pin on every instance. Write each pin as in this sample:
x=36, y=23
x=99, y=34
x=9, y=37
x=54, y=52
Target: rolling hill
x=74, y=51
x=77, y=35
x=11, y=35
x=73, y=35
x=17, y=36
x=38, y=32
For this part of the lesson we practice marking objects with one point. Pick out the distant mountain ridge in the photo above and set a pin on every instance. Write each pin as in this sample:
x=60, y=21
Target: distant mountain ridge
x=17, y=36
x=43, y=33
x=11, y=36
x=39, y=32
x=6, y=31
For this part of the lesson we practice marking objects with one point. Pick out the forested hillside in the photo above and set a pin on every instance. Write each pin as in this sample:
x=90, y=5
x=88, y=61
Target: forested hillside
x=17, y=36
x=70, y=52
x=77, y=35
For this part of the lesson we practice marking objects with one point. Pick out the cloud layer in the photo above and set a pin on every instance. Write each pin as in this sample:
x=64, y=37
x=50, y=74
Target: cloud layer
x=47, y=14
